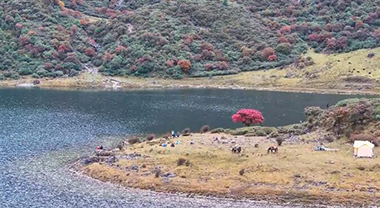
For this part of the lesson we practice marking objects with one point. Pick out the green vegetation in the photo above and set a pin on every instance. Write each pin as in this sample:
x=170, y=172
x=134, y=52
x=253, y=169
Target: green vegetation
x=176, y=38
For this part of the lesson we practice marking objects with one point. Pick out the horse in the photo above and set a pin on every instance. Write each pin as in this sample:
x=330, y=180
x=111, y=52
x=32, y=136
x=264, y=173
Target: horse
x=272, y=149
x=236, y=150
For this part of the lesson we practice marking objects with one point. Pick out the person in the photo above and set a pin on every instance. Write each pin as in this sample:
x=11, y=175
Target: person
x=99, y=147
x=328, y=105
x=173, y=134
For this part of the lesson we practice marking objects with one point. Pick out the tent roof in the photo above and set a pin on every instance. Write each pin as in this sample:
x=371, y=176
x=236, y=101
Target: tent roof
x=358, y=144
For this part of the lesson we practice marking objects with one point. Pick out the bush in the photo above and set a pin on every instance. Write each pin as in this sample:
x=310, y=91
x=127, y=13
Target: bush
x=181, y=161
x=279, y=141
x=2, y=77
x=328, y=138
x=150, y=137
x=260, y=133
x=365, y=137
x=241, y=172
x=25, y=71
x=134, y=140
x=15, y=76
x=186, y=132
x=204, y=129
x=167, y=135
x=218, y=130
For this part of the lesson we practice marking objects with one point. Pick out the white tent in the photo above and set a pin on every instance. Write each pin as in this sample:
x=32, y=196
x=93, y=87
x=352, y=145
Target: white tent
x=363, y=149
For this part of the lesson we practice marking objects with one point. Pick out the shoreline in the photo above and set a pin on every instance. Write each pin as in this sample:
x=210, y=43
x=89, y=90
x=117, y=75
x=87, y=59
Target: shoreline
x=133, y=84
x=208, y=164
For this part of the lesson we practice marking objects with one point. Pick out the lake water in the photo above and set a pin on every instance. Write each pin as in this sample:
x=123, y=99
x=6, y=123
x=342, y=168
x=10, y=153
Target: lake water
x=42, y=131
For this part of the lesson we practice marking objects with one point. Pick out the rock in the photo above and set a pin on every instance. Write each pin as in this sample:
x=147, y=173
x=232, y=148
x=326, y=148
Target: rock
x=104, y=153
x=169, y=175
x=135, y=167
x=36, y=82
x=89, y=160
x=111, y=160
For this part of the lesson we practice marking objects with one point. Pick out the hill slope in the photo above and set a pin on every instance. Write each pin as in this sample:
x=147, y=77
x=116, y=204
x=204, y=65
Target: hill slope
x=176, y=38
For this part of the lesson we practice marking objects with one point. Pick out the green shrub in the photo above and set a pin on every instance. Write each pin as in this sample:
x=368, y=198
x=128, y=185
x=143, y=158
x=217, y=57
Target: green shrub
x=2, y=77
x=25, y=71
x=35, y=75
x=218, y=130
x=15, y=76
x=260, y=133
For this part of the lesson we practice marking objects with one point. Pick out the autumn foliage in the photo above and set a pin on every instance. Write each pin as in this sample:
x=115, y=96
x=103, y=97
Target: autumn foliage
x=248, y=117
x=184, y=64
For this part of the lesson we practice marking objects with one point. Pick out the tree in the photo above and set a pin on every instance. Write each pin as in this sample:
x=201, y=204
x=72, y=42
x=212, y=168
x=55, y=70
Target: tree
x=184, y=64
x=225, y=3
x=267, y=52
x=248, y=117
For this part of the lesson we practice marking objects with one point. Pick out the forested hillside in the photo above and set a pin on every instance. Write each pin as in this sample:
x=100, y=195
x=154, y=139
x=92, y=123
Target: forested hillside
x=176, y=38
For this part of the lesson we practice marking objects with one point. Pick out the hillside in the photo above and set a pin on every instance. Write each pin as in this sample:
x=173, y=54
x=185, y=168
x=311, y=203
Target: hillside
x=176, y=38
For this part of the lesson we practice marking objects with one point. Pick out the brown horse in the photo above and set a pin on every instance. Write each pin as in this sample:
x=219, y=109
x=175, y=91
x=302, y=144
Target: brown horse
x=272, y=149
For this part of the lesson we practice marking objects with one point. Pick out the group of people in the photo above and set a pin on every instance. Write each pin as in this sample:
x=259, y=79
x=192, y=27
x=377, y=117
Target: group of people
x=175, y=134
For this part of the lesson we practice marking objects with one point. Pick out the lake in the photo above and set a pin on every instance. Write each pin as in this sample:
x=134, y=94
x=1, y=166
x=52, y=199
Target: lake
x=43, y=131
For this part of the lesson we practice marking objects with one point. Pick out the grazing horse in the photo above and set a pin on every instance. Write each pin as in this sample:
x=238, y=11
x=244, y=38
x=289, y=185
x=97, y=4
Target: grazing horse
x=272, y=149
x=236, y=150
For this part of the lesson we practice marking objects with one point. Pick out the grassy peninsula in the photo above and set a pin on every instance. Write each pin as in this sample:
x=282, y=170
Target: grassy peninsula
x=201, y=164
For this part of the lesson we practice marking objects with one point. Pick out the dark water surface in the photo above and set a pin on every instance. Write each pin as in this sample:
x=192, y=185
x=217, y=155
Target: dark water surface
x=41, y=131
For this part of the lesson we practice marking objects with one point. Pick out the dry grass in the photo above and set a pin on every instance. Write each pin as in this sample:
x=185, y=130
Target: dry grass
x=296, y=173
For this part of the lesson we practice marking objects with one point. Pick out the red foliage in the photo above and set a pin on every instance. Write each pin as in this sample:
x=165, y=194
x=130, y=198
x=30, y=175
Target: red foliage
x=84, y=22
x=24, y=40
x=283, y=39
x=209, y=66
x=72, y=57
x=341, y=42
x=171, y=63
x=313, y=37
x=248, y=117
x=31, y=33
x=74, y=29
x=328, y=27
x=359, y=24
x=63, y=48
x=197, y=57
x=120, y=49
x=376, y=33
x=267, y=52
x=272, y=57
x=188, y=40
x=331, y=43
x=90, y=52
x=207, y=46
x=19, y=25
x=285, y=29
x=222, y=65
x=184, y=64
x=107, y=57
x=48, y=65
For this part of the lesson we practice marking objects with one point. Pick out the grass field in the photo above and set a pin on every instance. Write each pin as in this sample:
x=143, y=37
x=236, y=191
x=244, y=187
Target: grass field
x=296, y=173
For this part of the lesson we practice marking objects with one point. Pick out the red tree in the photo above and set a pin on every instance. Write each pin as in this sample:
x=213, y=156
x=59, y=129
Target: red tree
x=267, y=52
x=90, y=52
x=184, y=64
x=248, y=117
